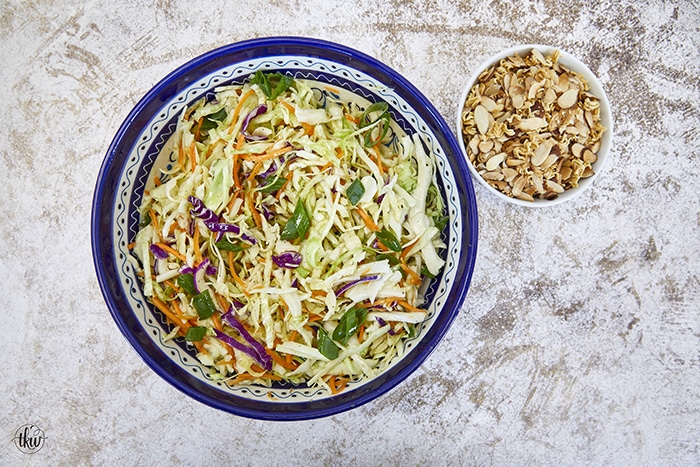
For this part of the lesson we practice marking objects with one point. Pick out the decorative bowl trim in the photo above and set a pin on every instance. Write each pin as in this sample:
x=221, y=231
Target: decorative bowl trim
x=132, y=155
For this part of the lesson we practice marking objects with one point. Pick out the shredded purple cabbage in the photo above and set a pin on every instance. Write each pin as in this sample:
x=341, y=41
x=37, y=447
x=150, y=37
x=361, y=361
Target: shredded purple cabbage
x=345, y=287
x=267, y=212
x=200, y=211
x=243, y=348
x=158, y=252
x=260, y=355
x=259, y=110
x=288, y=259
x=383, y=323
x=221, y=227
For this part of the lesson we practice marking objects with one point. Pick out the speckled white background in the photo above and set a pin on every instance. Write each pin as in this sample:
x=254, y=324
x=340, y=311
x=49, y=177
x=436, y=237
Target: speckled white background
x=579, y=341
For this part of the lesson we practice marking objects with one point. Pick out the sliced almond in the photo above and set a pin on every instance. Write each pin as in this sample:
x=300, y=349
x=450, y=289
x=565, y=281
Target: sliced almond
x=534, y=123
x=495, y=161
x=482, y=118
x=568, y=99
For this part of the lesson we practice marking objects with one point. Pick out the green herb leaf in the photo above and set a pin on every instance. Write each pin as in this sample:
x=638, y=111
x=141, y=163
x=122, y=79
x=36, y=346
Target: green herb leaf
x=441, y=222
x=389, y=240
x=383, y=122
x=393, y=260
x=355, y=191
x=272, y=84
x=298, y=224
x=211, y=121
x=225, y=245
x=411, y=330
x=273, y=185
x=195, y=333
x=186, y=283
x=204, y=304
x=349, y=324
x=326, y=346
x=426, y=272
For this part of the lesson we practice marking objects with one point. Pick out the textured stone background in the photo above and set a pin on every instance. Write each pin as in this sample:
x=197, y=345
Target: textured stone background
x=579, y=341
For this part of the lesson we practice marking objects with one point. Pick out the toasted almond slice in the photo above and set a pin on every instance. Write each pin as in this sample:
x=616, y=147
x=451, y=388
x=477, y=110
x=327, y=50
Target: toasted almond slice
x=540, y=154
x=482, y=118
x=486, y=146
x=534, y=123
x=589, y=156
x=495, y=161
x=568, y=99
x=577, y=149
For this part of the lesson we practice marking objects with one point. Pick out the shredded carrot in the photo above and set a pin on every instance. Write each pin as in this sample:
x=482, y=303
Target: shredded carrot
x=319, y=293
x=172, y=286
x=171, y=250
x=278, y=195
x=308, y=129
x=253, y=209
x=361, y=333
x=339, y=153
x=314, y=318
x=154, y=222
x=352, y=119
x=195, y=241
x=157, y=182
x=237, y=279
x=160, y=304
x=240, y=140
x=368, y=220
x=131, y=245
x=289, y=106
x=281, y=361
x=238, y=108
x=193, y=156
x=293, y=335
x=337, y=383
x=198, y=127
x=236, y=181
x=378, y=158
x=253, y=173
x=408, y=306
x=414, y=277
x=266, y=155
x=332, y=89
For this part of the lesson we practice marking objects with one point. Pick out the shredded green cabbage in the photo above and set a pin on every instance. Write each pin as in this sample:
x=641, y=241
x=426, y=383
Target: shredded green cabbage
x=300, y=222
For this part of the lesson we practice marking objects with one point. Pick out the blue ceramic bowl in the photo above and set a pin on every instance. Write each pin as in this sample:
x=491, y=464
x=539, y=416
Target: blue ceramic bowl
x=134, y=153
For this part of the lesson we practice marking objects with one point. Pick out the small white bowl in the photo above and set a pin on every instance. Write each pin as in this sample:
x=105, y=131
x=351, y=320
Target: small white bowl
x=573, y=64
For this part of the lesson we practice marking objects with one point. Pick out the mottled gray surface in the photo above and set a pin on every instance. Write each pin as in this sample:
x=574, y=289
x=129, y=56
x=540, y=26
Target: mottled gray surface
x=579, y=341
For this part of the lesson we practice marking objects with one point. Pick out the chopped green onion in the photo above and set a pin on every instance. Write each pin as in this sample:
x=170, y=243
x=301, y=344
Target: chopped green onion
x=210, y=121
x=204, y=305
x=393, y=260
x=355, y=191
x=326, y=346
x=186, y=283
x=196, y=333
x=383, y=121
x=389, y=240
x=272, y=84
x=349, y=324
x=273, y=185
x=225, y=245
x=298, y=224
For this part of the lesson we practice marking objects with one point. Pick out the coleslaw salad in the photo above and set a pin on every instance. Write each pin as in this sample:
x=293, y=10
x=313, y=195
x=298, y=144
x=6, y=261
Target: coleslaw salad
x=291, y=239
